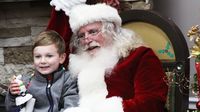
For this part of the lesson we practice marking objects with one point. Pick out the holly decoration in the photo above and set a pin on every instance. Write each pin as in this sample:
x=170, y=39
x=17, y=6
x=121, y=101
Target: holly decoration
x=166, y=50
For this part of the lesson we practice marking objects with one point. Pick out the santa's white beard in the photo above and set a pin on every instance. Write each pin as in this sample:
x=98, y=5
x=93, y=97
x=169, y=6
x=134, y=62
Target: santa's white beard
x=91, y=71
x=105, y=58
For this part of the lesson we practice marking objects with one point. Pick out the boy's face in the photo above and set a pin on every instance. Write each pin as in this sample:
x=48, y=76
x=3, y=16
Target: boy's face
x=47, y=59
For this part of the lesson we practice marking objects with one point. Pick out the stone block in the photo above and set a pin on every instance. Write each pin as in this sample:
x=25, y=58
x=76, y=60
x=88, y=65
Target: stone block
x=31, y=11
x=24, y=22
x=18, y=41
x=1, y=56
x=36, y=30
x=18, y=55
x=15, y=32
x=24, y=14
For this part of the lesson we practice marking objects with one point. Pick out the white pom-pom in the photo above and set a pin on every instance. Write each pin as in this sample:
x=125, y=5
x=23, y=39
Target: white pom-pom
x=65, y=5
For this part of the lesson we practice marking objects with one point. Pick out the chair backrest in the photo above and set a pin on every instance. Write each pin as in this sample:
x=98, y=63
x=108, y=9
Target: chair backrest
x=169, y=44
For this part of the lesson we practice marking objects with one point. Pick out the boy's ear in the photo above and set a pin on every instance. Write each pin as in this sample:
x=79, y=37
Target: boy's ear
x=62, y=58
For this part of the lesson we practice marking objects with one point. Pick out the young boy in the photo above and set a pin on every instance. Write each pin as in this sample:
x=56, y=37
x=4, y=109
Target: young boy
x=52, y=87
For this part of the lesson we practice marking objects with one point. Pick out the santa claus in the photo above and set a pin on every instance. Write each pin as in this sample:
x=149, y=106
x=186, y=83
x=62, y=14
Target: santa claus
x=59, y=20
x=116, y=72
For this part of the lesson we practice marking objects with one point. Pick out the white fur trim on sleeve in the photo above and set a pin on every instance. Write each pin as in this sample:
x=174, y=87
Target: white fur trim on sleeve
x=113, y=104
x=77, y=109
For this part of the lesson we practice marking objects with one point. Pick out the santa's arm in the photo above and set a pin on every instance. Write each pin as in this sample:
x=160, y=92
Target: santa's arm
x=150, y=90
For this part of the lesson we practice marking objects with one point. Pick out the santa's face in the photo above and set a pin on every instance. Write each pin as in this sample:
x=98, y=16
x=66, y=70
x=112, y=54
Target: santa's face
x=91, y=39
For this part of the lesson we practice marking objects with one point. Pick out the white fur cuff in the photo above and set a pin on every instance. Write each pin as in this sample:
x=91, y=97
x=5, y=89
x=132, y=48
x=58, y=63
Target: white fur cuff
x=113, y=104
x=77, y=109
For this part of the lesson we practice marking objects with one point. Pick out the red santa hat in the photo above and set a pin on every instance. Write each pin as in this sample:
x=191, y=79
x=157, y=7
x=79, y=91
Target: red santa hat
x=83, y=14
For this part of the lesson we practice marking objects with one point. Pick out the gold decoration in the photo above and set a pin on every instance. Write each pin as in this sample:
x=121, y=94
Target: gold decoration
x=194, y=34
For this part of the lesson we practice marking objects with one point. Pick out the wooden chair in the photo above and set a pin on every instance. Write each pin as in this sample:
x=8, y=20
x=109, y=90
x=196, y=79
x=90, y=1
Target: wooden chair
x=169, y=44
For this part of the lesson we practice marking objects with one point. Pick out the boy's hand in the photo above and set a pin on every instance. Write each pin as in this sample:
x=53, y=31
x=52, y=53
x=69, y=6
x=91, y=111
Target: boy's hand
x=14, y=87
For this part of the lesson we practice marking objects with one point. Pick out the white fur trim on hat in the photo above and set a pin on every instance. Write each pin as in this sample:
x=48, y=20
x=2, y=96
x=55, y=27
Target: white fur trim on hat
x=83, y=14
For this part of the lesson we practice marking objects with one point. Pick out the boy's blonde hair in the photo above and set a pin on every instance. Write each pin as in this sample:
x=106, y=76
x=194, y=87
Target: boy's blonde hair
x=48, y=38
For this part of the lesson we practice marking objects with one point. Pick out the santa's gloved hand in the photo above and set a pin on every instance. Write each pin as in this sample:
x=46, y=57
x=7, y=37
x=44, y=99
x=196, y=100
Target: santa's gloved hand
x=112, y=104
x=65, y=5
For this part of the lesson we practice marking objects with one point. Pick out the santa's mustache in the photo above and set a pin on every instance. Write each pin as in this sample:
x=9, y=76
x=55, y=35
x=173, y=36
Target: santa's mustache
x=91, y=45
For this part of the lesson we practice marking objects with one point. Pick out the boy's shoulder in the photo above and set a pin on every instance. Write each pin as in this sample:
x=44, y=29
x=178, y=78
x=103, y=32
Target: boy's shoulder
x=68, y=76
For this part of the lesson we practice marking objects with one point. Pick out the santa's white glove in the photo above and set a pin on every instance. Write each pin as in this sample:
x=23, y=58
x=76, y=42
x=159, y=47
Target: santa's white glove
x=77, y=109
x=112, y=104
x=65, y=5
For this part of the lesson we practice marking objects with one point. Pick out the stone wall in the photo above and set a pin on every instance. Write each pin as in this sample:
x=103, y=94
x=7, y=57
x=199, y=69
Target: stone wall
x=19, y=23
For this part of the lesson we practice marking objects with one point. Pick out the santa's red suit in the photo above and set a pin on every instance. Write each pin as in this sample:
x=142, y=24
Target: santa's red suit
x=138, y=80
x=135, y=84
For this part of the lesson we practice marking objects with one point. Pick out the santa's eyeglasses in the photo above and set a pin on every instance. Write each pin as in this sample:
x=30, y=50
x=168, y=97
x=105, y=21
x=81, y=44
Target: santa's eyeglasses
x=92, y=32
